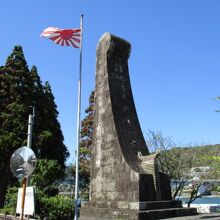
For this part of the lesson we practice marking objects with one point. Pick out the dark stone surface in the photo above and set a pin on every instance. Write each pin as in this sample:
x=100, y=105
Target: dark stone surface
x=117, y=174
x=131, y=214
x=165, y=187
x=123, y=181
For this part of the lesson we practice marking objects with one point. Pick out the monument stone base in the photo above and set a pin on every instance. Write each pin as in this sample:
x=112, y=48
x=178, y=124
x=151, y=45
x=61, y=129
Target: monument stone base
x=134, y=211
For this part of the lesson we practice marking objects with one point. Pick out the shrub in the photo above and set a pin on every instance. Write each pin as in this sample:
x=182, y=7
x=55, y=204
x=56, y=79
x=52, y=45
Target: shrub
x=55, y=208
x=10, y=201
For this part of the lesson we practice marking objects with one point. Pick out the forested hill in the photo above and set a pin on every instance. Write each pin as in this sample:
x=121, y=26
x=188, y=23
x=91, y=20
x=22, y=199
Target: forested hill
x=202, y=151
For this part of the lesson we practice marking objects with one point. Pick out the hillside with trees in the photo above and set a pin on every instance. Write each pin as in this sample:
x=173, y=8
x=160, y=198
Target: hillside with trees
x=203, y=151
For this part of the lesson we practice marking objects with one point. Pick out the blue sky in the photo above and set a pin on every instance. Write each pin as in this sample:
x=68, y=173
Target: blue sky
x=174, y=63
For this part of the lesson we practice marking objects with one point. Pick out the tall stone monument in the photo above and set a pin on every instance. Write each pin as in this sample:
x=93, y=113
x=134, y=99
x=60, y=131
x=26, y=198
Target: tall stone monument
x=125, y=179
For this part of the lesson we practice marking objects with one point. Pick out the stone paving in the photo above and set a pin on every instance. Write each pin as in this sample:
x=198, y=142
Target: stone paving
x=211, y=216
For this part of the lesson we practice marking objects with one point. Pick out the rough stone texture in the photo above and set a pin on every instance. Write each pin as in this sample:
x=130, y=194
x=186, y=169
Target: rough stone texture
x=116, y=173
x=124, y=176
x=128, y=214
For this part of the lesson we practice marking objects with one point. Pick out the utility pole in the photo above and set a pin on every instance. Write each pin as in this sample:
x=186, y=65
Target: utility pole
x=29, y=144
x=30, y=127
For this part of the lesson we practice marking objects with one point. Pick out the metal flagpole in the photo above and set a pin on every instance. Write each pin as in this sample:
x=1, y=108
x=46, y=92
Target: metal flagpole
x=78, y=125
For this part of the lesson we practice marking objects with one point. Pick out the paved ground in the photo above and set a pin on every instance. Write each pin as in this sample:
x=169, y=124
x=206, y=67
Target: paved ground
x=211, y=216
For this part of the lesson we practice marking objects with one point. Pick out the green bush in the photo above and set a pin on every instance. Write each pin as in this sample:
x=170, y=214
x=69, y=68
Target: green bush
x=55, y=208
x=10, y=201
x=7, y=211
x=216, y=187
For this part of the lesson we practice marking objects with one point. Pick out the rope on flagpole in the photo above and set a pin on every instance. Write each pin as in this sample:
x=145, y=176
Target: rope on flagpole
x=78, y=125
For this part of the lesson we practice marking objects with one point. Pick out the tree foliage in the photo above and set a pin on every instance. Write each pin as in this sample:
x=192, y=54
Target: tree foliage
x=86, y=141
x=56, y=207
x=84, y=151
x=178, y=162
x=21, y=88
x=46, y=175
x=171, y=159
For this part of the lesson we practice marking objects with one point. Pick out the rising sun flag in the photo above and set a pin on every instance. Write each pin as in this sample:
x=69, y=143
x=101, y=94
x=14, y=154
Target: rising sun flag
x=63, y=37
x=71, y=38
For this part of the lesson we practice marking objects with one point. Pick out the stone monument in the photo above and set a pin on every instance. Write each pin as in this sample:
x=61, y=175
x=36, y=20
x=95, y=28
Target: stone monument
x=125, y=179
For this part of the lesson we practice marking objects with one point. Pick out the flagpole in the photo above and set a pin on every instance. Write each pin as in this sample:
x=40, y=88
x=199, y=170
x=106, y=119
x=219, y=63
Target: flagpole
x=78, y=125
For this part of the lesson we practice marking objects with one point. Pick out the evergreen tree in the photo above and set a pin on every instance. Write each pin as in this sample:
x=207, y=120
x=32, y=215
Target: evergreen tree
x=86, y=141
x=50, y=138
x=21, y=88
x=14, y=81
x=84, y=151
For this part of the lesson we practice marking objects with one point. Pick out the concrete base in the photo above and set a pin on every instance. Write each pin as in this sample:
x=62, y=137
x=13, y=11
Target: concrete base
x=149, y=210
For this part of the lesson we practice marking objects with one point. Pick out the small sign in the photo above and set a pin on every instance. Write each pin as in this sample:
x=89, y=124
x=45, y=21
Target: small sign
x=29, y=205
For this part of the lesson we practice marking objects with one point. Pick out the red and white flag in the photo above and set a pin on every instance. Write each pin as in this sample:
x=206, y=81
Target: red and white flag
x=63, y=37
